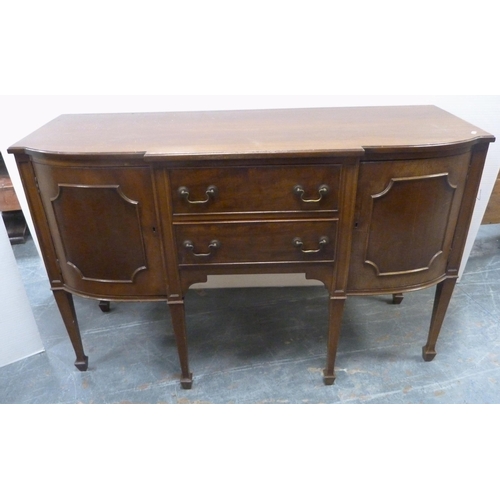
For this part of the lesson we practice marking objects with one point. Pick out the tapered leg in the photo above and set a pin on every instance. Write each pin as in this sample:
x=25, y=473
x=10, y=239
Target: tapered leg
x=105, y=306
x=179, y=324
x=444, y=291
x=336, y=309
x=64, y=301
x=397, y=298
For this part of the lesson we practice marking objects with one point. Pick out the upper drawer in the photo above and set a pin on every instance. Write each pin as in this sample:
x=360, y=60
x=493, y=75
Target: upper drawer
x=255, y=189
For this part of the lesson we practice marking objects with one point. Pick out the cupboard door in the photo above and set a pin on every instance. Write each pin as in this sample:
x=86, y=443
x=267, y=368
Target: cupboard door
x=105, y=230
x=405, y=217
x=262, y=242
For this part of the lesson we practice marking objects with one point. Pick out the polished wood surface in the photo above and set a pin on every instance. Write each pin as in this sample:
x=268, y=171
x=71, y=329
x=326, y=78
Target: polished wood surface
x=250, y=133
x=142, y=206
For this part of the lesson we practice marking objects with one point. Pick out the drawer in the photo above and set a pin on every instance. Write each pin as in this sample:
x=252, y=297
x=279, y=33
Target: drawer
x=256, y=242
x=255, y=189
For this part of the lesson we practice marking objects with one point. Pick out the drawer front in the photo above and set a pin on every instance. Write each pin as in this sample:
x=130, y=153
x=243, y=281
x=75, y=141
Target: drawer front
x=256, y=242
x=8, y=200
x=255, y=189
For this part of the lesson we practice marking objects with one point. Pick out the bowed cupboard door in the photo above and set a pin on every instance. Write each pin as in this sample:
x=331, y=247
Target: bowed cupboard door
x=104, y=228
x=405, y=220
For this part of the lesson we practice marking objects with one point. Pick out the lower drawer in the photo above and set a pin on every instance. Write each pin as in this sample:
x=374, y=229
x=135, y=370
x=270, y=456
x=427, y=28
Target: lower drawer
x=256, y=242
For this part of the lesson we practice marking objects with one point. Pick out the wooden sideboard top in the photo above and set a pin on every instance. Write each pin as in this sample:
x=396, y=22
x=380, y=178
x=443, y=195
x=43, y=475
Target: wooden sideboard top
x=149, y=232
x=251, y=133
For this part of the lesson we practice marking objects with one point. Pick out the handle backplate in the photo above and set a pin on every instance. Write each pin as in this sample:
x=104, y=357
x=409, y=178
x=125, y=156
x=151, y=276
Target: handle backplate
x=323, y=241
x=214, y=245
x=210, y=193
x=323, y=190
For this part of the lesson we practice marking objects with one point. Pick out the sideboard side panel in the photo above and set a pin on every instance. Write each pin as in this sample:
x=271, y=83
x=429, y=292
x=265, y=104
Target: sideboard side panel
x=30, y=186
x=475, y=172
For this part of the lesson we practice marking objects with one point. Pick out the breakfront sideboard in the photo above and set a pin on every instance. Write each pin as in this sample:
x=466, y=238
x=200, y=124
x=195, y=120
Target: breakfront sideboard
x=138, y=207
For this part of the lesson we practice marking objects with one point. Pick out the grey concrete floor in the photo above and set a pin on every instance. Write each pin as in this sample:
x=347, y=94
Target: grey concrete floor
x=268, y=345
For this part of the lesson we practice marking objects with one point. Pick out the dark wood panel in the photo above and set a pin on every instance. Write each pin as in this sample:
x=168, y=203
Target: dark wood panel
x=108, y=243
x=407, y=236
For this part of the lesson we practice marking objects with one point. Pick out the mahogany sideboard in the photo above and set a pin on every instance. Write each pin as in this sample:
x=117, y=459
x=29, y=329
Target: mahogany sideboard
x=138, y=207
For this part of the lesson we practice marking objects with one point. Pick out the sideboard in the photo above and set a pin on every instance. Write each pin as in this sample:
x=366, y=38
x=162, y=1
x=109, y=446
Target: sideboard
x=140, y=206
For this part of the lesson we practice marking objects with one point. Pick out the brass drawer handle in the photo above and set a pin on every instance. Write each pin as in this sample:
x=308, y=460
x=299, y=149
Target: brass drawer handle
x=211, y=192
x=214, y=245
x=298, y=243
x=323, y=190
